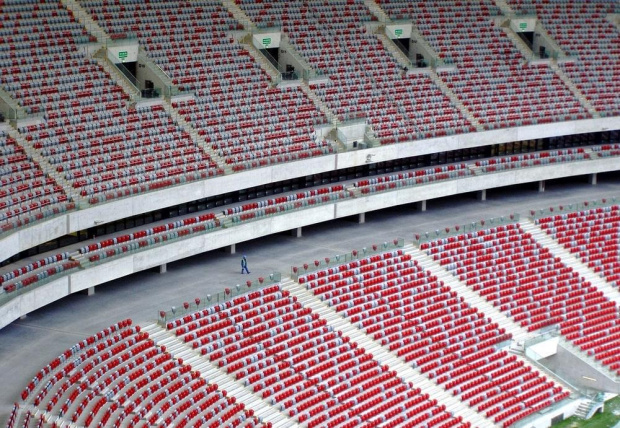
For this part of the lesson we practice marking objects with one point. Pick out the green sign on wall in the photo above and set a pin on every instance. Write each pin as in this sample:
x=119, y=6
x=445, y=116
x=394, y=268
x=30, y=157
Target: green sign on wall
x=122, y=55
x=266, y=41
x=398, y=32
x=523, y=26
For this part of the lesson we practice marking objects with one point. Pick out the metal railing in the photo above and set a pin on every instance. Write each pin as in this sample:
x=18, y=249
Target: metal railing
x=208, y=300
x=7, y=297
x=338, y=259
x=572, y=208
x=474, y=226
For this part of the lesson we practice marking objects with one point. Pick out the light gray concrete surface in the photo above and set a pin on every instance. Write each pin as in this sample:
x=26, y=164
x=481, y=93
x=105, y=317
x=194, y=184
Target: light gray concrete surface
x=29, y=344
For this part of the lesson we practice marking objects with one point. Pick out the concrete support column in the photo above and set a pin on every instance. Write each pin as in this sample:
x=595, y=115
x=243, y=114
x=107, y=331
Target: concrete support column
x=23, y=317
x=361, y=218
x=90, y=291
x=231, y=249
x=482, y=195
x=421, y=205
x=541, y=186
x=593, y=179
x=296, y=233
x=163, y=268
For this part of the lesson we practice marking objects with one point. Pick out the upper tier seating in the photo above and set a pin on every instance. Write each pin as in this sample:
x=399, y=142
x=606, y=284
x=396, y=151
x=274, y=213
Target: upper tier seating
x=247, y=122
x=27, y=194
x=583, y=31
x=506, y=266
x=591, y=235
x=104, y=148
x=492, y=79
x=287, y=354
x=120, y=377
x=421, y=320
x=365, y=81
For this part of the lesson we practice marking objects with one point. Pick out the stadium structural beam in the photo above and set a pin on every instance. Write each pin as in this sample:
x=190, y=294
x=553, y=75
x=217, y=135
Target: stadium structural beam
x=231, y=249
x=90, y=291
x=421, y=205
x=163, y=268
x=361, y=218
x=482, y=195
x=541, y=186
x=592, y=179
x=296, y=233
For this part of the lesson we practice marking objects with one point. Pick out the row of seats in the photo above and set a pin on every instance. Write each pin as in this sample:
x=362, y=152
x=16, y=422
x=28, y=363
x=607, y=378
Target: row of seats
x=606, y=150
x=533, y=159
x=288, y=355
x=515, y=273
x=126, y=154
x=411, y=178
x=291, y=202
x=413, y=314
x=592, y=235
x=120, y=377
x=125, y=243
x=105, y=148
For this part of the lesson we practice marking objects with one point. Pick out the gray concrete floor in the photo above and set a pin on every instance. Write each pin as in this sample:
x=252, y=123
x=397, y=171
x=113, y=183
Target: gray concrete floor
x=29, y=344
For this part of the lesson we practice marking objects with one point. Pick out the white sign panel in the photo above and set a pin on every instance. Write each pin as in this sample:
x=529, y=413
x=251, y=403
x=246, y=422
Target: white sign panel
x=523, y=24
x=123, y=53
x=266, y=40
x=398, y=31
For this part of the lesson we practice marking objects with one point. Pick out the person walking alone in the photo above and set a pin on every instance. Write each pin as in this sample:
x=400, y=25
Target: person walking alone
x=244, y=264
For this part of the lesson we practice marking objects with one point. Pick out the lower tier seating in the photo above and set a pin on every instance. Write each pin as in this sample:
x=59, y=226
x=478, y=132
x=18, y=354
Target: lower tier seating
x=510, y=269
x=120, y=377
x=421, y=320
x=288, y=355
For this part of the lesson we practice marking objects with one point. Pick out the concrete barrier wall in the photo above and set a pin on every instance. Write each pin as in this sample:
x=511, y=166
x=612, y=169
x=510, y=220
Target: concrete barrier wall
x=160, y=254
x=477, y=139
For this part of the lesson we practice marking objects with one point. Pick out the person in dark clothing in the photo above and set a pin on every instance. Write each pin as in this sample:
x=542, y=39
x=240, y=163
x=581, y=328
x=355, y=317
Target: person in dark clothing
x=244, y=264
